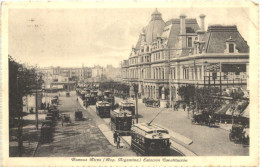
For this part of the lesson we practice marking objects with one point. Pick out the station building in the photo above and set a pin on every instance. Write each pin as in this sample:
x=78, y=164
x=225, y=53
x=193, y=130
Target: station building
x=180, y=51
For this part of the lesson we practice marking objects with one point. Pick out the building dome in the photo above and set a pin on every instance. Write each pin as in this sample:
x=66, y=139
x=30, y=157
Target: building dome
x=154, y=27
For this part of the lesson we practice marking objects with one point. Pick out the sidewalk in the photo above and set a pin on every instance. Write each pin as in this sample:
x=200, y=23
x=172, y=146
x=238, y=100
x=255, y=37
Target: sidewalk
x=104, y=128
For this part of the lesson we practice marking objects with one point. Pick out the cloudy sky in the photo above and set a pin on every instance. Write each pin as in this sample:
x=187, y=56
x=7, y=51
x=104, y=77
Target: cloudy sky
x=71, y=37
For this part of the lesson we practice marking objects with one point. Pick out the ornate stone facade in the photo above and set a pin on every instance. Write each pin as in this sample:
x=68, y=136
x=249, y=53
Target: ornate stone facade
x=180, y=52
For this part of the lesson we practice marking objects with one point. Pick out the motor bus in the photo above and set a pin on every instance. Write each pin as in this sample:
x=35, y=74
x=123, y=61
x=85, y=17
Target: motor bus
x=125, y=105
x=121, y=121
x=150, y=140
x=103, y=109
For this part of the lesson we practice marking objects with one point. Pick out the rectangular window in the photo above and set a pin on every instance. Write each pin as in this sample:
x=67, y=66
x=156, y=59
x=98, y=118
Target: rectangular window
x=189, y=42
x=231, y=48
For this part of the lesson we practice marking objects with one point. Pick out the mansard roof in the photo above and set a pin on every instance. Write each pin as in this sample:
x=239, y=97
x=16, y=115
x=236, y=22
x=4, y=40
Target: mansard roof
x=173, y=26
x=217, y=36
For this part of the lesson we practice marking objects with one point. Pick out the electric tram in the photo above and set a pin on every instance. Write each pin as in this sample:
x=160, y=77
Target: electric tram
x=121, y=121
x=103, y=109
x=125, y=105
x=108, y=96
x=150, y=140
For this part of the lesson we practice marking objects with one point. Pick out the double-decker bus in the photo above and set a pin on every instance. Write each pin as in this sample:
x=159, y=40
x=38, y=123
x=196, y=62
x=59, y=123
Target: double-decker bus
x=121, y=121
x=103, y=109
x=150, y=140
x=125, y=105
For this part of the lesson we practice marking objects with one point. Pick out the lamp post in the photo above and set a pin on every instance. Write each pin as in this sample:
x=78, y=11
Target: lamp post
x=205, y=69
x=19, y=110
x=36, y=103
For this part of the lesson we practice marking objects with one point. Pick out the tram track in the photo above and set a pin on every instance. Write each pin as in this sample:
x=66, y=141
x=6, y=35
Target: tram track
x=177, y=148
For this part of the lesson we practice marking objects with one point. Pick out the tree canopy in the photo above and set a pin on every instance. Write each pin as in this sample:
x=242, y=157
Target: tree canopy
x=22, y=82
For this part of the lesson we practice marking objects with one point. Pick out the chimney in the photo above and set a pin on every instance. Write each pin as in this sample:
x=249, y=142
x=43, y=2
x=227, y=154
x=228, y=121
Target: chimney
x=202, y=23
x=182, y=24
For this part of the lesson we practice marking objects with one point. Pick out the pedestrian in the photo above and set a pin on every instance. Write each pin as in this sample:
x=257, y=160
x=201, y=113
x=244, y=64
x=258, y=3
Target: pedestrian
x=118, y=141
x=184, y=106
x=174, y=107
x=188, y=109
x=115, y=137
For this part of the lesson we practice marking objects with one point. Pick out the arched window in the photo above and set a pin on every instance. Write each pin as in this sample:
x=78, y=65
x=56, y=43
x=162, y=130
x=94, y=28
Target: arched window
x=163, y=74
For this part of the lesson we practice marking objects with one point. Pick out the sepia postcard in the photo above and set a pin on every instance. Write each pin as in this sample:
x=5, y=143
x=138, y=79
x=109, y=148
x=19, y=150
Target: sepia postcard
x=130, y=83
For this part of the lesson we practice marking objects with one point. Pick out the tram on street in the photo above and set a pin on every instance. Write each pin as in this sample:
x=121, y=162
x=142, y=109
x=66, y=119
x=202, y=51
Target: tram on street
x=121, y=121
x=103, y=109
x=125, y=105
x=150, y=140
x=109, y=97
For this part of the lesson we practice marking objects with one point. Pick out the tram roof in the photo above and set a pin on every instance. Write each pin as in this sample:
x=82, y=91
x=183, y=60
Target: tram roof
x=120, y=113
x=102, y=103
x=149, y=128
x=151, y=131
x=126, y=103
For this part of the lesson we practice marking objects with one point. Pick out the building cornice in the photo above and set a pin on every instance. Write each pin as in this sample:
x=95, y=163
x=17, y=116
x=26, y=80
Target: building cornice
x=212, y=55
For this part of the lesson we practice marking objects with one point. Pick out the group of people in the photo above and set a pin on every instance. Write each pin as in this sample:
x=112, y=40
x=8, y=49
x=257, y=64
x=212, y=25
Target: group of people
x=177, y=105
x=117, y=139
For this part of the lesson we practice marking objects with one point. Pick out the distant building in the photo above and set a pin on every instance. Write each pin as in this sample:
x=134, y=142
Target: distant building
x=180, y=52
x=67, y=78
x=113, y=73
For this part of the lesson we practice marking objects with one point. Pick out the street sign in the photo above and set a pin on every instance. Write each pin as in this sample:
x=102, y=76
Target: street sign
x=214, y=67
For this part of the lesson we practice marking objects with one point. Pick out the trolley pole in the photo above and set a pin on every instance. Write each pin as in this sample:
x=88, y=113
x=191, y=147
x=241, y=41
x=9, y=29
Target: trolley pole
x=36, y=102
x=136, y=107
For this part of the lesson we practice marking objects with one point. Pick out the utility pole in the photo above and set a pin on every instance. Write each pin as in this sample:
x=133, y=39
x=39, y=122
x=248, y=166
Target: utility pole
x=19, y=110
x=36, y=102
x=136, y=107
x=170, y=79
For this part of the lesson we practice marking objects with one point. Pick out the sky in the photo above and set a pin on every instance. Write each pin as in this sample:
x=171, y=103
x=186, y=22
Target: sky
x=95, y=36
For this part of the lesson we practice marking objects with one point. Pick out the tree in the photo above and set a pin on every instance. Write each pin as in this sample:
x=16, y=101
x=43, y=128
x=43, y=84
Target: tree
x=21, y=83
x=187, y=93
x=236, y=96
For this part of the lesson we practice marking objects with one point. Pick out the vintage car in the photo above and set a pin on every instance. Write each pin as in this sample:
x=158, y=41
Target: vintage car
x=55, y=100
x=152, y=103
x=239, y=134
x=203, y=118
x=65, y=118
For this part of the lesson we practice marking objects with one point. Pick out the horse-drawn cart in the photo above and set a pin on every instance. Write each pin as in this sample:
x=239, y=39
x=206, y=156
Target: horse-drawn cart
x=65, y=118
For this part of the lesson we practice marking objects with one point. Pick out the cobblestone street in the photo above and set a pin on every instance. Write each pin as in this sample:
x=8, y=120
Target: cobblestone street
x=80, y=138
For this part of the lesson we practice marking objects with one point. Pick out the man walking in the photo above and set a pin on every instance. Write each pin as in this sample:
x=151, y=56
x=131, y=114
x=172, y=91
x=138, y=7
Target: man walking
x=115, y=137
x=184, y=107
x=118, y=141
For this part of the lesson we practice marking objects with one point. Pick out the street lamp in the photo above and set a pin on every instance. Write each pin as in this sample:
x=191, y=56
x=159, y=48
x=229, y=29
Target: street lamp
x=205, y=66
x=36, y=103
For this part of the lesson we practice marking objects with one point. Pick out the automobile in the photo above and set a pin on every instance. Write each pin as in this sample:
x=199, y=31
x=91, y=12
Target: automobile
x=203, y=118
x=239, y=134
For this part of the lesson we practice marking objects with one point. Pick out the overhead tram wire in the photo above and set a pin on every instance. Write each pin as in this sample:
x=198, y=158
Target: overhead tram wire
x=155, y=117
